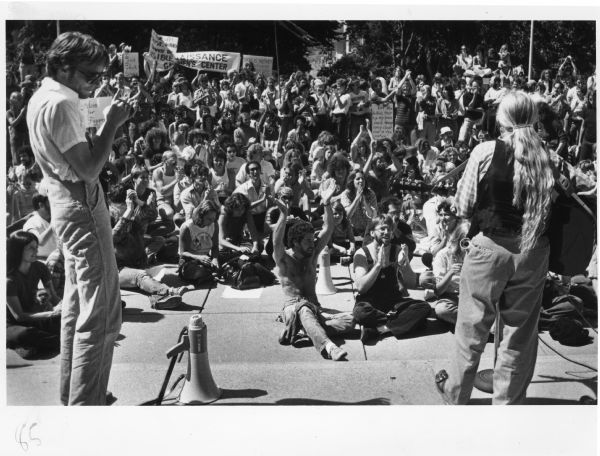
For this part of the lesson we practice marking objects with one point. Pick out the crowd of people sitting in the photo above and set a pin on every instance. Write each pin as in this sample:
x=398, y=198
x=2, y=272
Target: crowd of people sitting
x=204, y=169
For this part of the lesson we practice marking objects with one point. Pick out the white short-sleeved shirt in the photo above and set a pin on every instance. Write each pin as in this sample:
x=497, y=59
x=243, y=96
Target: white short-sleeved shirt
x=442, y=262
x=219, y=183
x=267, y=171
x=55, y=126
x=247, y=188
x=346, y=102
x=37, y=225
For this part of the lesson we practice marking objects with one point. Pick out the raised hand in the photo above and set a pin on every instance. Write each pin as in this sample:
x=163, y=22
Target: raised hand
x=119, y=110
x=283, y=207
x=403, y=256
x=360, y=189
x=383, y=256
x=328, y=191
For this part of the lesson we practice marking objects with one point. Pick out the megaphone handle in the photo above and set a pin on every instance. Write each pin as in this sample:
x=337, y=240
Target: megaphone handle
x=180, y=347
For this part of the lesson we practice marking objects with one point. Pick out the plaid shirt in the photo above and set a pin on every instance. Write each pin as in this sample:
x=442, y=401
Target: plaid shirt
x=466, y=189
x=479, y=163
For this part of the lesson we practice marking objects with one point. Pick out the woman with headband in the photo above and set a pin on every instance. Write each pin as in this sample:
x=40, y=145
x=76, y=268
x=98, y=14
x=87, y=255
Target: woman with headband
x=506, y=192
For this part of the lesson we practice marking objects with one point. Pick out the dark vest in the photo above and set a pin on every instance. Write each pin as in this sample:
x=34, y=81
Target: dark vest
x=386, y=290
x=494, y=212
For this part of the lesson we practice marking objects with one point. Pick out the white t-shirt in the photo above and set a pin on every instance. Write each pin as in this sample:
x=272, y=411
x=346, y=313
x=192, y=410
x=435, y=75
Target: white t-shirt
x=442, y=262
x=159, y=173
x=55, y=126
x=219, y=183
x=430, y=214
x=247, y=188
x=355, y=99
x=335, y=106
x=267, y=171
x=185, y=100
x=235, y=164
x=37, y=225
x=201, y=238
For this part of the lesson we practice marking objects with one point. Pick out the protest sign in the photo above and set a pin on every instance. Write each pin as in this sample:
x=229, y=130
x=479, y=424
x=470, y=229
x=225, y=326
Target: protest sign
x=91, y=110
x=162, y=49
x=218, y=61
x=382, y=121
x=262, y=65
x=131, y=64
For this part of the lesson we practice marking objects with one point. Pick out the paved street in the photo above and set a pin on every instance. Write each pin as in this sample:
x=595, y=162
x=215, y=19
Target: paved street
x=250, y=366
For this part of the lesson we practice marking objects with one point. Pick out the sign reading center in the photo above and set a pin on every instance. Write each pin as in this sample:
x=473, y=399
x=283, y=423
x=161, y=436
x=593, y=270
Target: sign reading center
x=217, y=61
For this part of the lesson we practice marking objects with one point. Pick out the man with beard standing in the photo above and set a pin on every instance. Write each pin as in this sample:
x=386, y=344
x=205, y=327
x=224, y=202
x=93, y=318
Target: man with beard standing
x=91, y=310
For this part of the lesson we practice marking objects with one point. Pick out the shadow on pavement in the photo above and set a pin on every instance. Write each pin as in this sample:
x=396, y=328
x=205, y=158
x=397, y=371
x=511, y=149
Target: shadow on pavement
x=304, y=401
x=135, y=315
x=249, y=393
x=591, y=383
x=531, y=401
x=184, y=307
x=16, y=366
x=431, y=328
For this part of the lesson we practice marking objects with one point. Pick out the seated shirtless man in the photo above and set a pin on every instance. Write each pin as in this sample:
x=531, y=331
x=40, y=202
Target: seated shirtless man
x=297, y=271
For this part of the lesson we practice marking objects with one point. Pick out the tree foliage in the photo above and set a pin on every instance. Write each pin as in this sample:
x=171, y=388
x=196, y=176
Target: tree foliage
x=425, y=46
x=246, y=37
x=431, y=46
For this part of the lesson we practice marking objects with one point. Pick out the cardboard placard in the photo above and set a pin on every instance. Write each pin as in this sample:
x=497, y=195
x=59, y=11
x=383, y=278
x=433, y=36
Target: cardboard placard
x=131, y=64
x=91, y=110
x=163, y=49
x=218, y=61
x=382, y=123
x=262, y=65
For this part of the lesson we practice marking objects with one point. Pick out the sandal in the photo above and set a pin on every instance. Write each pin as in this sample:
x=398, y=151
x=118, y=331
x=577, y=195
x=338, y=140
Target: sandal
x=440, y=380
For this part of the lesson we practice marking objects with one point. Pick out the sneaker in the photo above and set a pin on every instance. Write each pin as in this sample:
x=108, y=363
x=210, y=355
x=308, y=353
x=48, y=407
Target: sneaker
x=165, y=302
x=179, y=291
x=369, y=336
x=336, y=354
x=110, y=398
x=440, y=381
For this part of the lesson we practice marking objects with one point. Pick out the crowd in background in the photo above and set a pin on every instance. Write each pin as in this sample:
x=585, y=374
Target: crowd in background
x=193, y=173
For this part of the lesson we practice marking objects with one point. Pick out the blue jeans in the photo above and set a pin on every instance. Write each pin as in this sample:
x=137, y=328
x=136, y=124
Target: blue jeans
x=318, y=325
x=91, y=306
x=139, y=278
x=495, y=271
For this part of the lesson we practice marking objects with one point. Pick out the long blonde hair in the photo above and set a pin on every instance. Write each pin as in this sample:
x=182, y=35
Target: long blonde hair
x=533, y=179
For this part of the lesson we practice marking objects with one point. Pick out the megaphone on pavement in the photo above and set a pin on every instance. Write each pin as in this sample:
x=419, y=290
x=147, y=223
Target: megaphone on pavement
x=199, y=387
x=324, y=284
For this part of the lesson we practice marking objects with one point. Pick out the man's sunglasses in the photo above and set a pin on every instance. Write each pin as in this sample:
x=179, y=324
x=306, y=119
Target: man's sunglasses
x=90, y=77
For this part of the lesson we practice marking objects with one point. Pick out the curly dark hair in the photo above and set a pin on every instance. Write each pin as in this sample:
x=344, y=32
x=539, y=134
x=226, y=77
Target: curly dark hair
x=350, y=183
x=202, y=209
x=236, y=201
x=298, y=230
x=338, y=161
x=156, y=133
